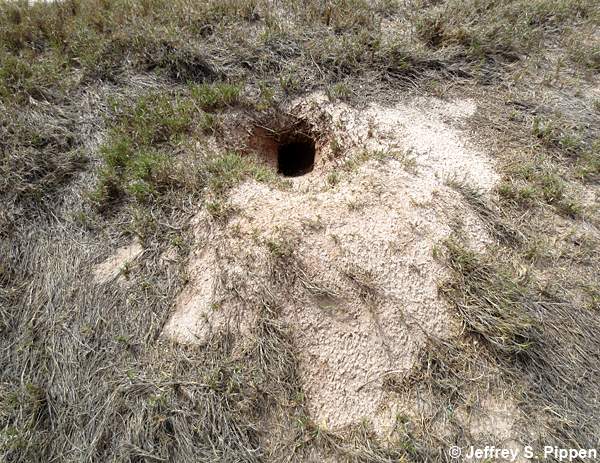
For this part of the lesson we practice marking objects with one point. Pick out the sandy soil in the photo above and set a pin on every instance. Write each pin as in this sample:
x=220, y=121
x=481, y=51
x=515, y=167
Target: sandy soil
x=113, y=266
x=350, y=267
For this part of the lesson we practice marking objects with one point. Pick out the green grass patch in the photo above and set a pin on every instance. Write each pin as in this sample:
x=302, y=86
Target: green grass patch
x=215, y=96
x=538, y=182
x=139, y=173
x=227, y=170
x=555, y=135
x=139, y=158
x=28, y=76
x=521, y=195
x=155, y=118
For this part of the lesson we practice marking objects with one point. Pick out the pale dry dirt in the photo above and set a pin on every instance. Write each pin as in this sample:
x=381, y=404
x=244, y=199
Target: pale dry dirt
x=114, y=265
x=350, y=269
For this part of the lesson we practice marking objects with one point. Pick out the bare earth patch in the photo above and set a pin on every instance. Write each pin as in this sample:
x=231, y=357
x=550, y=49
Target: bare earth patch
x=115, y=264
x=349, y=268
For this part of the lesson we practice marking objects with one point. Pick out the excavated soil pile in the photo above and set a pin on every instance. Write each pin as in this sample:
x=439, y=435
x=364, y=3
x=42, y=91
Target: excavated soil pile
x=348, y=265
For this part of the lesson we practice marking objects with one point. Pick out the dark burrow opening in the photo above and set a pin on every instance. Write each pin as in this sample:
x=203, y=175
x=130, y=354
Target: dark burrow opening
x=296, y=157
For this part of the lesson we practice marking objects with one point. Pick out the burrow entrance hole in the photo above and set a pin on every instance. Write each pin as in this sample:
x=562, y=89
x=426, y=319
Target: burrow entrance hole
x=296, y=156
x=291, y=149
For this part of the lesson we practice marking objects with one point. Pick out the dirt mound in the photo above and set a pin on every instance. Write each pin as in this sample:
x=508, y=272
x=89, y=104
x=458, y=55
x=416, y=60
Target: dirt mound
x=348, y=265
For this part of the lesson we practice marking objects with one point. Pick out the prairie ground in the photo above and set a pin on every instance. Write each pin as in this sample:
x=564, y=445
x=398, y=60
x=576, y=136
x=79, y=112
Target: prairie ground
x=281, y=230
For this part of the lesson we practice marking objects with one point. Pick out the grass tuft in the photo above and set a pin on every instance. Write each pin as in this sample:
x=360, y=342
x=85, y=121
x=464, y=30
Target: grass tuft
x=215, y=96
x=491, y=303
x=227, y=170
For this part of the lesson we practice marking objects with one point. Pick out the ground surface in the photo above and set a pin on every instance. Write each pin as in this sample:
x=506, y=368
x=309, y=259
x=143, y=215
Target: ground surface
x=167, y=295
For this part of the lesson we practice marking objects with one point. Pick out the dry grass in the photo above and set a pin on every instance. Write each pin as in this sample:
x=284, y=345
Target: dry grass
x=103, y=104
x=536, y=337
